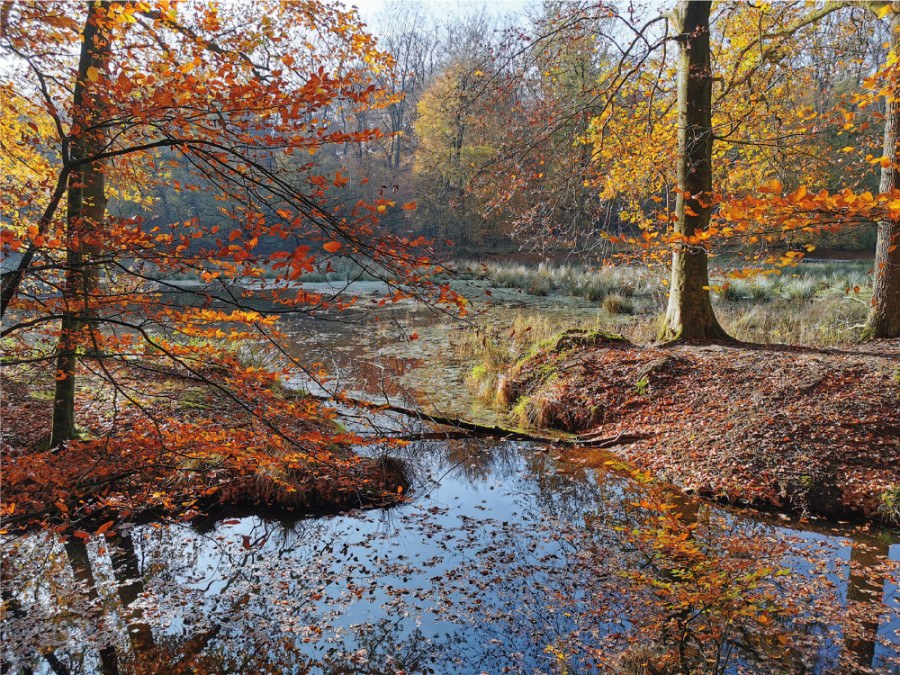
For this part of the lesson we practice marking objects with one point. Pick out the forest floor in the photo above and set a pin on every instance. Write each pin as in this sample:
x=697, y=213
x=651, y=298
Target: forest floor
x=815, y=430
x=160, y=444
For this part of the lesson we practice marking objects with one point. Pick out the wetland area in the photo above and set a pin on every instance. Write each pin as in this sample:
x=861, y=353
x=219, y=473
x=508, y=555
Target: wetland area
x=500, y=556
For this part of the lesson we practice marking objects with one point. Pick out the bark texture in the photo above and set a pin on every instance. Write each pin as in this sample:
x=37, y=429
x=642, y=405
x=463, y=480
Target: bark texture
x=85, y=211
x=884, y=318
x=690, y=314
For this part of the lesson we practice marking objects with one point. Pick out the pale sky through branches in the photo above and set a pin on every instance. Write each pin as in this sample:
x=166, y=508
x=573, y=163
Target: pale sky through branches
x=371, y=10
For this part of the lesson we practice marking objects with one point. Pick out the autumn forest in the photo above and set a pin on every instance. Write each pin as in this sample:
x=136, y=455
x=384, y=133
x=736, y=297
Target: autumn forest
x=523, y=337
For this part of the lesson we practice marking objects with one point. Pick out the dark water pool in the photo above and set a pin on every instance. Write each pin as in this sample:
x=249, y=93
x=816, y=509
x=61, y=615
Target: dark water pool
x=505, y=558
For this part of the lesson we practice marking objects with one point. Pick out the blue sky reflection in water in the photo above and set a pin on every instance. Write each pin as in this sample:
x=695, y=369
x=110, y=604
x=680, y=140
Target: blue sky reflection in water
x=488, y=568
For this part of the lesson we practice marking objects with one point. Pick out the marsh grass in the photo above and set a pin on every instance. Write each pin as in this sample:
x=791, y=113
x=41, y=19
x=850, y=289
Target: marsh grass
x=496, y=349
x=616, y=303
x=576, y=280
x=802, y=282
x=828, y=320
x=813, y=304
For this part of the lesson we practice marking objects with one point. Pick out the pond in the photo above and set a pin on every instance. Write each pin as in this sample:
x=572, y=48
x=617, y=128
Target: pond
x=505, y=557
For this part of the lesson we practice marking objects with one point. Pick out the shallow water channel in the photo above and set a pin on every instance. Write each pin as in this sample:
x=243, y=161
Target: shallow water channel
x=505, y=557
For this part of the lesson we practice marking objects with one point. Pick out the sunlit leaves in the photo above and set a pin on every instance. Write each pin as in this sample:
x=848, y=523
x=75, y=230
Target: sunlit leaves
x=203, y=98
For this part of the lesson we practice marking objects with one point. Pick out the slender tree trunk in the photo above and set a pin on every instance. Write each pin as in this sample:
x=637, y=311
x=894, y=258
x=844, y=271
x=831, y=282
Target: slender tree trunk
x=690, y=314
x=85, y=210
x=884, y=318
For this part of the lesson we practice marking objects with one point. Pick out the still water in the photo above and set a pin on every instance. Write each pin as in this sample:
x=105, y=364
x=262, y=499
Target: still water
x=505, y=557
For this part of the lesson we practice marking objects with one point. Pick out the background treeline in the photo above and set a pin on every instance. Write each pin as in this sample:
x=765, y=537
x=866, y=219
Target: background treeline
x=505, y=134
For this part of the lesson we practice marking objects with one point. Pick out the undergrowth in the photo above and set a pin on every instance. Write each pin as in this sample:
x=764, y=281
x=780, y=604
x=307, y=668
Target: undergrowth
x=812, y=303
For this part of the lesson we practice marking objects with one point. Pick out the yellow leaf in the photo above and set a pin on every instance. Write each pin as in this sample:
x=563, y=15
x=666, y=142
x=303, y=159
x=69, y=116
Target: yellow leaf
x=93, y=74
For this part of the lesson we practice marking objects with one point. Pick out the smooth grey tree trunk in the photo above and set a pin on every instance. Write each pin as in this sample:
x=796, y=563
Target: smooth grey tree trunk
x=690, y=314
x=884, y=317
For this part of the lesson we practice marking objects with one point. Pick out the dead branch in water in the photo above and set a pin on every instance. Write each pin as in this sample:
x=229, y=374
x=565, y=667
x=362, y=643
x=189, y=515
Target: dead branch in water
x=465, y=429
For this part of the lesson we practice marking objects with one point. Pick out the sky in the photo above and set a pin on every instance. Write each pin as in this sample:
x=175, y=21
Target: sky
x=442, y=9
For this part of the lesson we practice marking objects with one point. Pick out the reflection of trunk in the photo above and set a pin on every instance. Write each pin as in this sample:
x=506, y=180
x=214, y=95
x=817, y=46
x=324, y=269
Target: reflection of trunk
x=686, y=510
x=130, y=585
x=687, y=507
x=80, y=563
x=86, y=209
x=13, y=607
x=147, y=659
x=884, y=319
x=690, y=315
x=865, y=587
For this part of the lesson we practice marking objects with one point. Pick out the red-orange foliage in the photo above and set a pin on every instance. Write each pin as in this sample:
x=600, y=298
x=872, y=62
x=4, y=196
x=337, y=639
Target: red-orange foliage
x=102, y=101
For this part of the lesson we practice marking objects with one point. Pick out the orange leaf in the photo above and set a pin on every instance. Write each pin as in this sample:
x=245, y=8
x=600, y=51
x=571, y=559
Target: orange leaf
x=408, y=207
x=332, y=246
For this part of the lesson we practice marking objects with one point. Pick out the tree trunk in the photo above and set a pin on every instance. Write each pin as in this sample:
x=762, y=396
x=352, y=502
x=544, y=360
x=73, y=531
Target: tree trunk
x=884, y=318
x=690, y=314
x=85, y=210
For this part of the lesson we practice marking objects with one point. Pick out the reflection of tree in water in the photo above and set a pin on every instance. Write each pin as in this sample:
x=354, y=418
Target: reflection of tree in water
x=429, y=462
x=567, y=490
x=59, y=597
x=384, y=646
x=865, y=588
x=352, y=595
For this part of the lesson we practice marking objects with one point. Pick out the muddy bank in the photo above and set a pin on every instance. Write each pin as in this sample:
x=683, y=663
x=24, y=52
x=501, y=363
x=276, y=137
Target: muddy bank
x=809, y=430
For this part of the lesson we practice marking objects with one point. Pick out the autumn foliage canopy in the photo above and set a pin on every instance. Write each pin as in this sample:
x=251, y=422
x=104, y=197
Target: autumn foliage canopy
x=103, y=101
